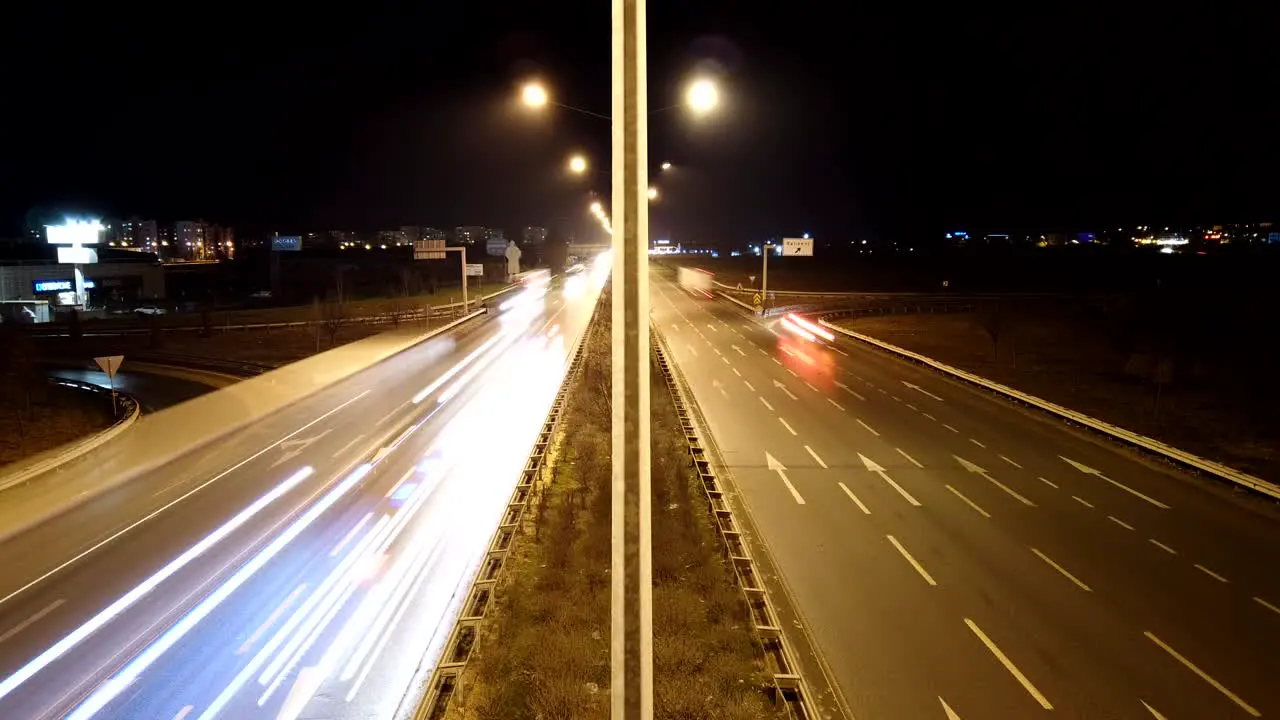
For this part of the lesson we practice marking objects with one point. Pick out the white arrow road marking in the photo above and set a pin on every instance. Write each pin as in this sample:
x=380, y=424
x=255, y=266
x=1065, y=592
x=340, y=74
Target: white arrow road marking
x=1090, y=471
x=875, y=468
x=779, y=468
x=951, y=714
x=716, y=384
x=919, y=389
x=294, y=448
x=738, y=350
x=975, y=469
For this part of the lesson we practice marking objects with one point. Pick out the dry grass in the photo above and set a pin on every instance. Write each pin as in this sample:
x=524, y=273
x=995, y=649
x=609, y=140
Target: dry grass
x=278, y=346
x=58, y=416
x=544, y=649
x=1069, y=360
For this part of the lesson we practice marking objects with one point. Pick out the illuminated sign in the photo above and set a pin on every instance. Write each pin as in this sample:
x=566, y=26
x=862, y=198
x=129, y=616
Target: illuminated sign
x=286, y=243
x=44, y=286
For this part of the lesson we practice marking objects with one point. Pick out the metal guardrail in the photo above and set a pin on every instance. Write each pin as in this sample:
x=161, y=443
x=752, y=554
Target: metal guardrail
x=789, y=689
x=1168, y=451
x=132, y=412
x=90, y=328
x=447, y=675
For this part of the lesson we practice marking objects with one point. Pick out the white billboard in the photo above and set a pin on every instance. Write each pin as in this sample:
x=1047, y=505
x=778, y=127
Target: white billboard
x=74, y=232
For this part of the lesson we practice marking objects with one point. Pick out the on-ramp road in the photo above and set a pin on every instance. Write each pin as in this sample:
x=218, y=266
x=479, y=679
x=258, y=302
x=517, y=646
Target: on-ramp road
x=955, y=556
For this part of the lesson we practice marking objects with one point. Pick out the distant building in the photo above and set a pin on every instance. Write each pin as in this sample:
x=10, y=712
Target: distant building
x=535, y=236
x=469, y=234
x=191, y=241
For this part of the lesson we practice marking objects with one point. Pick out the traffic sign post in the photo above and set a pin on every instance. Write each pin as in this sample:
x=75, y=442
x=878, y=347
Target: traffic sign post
x=791, y=247
x=110, y=364
x=430, y=249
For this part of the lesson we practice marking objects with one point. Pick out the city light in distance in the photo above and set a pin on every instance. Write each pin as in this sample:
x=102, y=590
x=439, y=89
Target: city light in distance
x=666, y=166
x=577, y=164
x=653, y=193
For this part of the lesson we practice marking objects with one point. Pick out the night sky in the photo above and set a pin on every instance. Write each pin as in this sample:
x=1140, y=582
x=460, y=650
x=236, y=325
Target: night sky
x=842, y=123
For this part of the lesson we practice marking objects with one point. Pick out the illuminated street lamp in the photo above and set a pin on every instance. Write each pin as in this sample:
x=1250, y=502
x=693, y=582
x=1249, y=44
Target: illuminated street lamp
x=702, y=96
x=577, y=164
x=653, y=193
x=666, y=166
x=597, y=208
x=534, y=95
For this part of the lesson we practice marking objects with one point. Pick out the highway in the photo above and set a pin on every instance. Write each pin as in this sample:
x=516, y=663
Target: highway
x=306, y=566
x=955, y=556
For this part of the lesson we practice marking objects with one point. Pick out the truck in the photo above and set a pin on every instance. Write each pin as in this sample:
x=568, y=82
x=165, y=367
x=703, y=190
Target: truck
x=696, y=281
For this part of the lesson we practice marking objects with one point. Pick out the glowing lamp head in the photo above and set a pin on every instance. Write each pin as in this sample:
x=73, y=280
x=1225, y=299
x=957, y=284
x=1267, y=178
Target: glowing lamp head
x=577, y=164
x=534, y=95
x=702, y=96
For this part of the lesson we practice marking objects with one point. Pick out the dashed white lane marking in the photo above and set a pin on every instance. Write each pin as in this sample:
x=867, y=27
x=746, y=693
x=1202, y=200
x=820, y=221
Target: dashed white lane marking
x=713, y=327
x=850, y=390
x=714, y=349
x=975, y=442
x=695, y=352
x=1162, y=546
x=904, y=454
x=725, y=359
x=271, y=619
x=1210, y=573
x=1082, y=501
x=788, y=427
x=1267, y=605
x=1011, y=462
x=776, y=361
x=930, y=417
x=815, y=457
x=1062, y=570
x=347, y=447
x=840, y=351
x=31, y=620
x=185, y=711
x=1119, y=522
x=869, y=428
x=950, y=428
x=913, y=407
x=735, y=372
x=1203, y=675
x=854, y=498
x=766, y=402
x=895, y=397
x=919, y=568
x=749, y=386
x=971, y=503
x=1008, y=665
x=1046, y=482
x=811, y=387
x=1154, y=713
x=793, y=373
x=838, y=405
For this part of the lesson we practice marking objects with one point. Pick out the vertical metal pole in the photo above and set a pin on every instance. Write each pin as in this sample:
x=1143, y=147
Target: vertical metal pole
x=631, y=601
x=464, y=280
x=764, y=280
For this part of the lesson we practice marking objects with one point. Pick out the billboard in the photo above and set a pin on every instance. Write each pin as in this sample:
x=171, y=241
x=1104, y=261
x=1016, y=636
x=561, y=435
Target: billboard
x=496, y=247
x=74, y=233
x=286, y=243
x=428, y=249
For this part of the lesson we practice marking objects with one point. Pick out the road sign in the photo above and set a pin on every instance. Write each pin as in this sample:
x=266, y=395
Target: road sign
x=475, y=269
x=286, y=243
x=797, y=247
x=755, y=299
x=428, y=249
x=109, y=364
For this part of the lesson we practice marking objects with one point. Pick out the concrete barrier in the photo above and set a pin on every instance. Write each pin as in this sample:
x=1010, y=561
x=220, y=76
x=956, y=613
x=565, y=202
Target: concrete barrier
x=1168, y=451
x=67, y=480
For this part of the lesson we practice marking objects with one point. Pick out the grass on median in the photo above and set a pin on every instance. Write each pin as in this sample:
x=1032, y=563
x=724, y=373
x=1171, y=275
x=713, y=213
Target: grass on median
x=544, y=649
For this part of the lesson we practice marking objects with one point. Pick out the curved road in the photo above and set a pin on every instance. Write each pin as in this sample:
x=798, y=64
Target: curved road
x=302, y=567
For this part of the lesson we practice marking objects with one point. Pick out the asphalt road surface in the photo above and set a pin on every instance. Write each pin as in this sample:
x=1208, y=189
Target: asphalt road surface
x=308, y=566
x=955, y=556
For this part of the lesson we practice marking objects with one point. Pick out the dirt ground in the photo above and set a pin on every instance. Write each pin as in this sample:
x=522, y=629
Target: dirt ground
x=58, y=415
x=1063, y=358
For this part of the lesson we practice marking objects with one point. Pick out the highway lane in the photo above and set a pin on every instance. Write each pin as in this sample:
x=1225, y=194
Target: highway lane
x=188, y=639
x=946, y=552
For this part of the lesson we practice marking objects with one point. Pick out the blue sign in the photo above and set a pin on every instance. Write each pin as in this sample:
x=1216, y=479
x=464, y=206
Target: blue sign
x=286, y=243
x=44, y=286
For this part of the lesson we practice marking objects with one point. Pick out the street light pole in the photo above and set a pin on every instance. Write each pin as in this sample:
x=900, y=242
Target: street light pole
x=764, y=278
x=631, y=597
x=463, y=251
